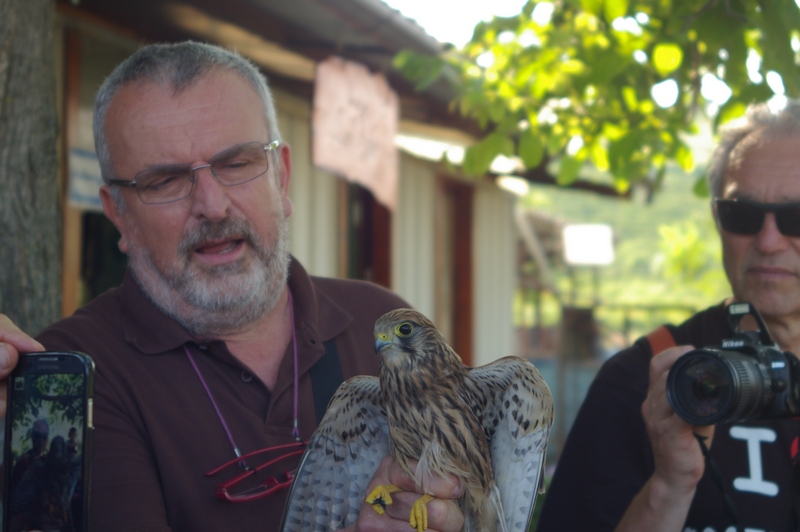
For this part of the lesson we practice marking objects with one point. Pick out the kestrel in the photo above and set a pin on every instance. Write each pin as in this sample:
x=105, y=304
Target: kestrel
x=487, y=426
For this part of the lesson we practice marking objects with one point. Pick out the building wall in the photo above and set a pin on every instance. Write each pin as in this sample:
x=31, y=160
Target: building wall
x=313, y=224
x=414, y=235
x=494, y=270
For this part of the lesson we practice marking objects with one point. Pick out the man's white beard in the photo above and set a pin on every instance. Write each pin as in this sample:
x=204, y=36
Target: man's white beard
x=214, y=301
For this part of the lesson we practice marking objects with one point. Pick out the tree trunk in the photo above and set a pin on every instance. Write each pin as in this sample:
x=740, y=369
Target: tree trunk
x=30, y=229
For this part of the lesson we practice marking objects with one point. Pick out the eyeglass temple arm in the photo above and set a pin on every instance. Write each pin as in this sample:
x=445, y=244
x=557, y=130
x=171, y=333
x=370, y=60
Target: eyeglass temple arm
x=272, y=482
x=260, y=451
x=223, y=487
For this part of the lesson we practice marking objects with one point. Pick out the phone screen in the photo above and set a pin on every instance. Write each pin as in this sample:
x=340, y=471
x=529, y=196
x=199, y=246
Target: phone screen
x=47, y=443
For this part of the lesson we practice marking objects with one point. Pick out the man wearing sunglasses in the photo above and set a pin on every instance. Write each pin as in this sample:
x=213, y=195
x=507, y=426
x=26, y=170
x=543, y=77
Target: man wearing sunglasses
x=213, y=355
x=630, y=463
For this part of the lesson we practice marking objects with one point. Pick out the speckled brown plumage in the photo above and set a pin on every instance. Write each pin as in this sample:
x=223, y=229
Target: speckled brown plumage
x=488, y=426
x=432, y=413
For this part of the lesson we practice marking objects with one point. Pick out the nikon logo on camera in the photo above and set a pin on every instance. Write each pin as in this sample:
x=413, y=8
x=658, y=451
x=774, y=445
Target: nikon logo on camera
x=729, y=344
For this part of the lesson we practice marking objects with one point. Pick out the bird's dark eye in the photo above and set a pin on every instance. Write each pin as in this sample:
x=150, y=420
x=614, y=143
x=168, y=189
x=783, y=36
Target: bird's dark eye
x=404, y=329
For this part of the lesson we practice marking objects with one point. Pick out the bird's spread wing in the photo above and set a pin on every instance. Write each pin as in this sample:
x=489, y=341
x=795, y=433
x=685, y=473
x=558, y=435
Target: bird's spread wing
x=517, y=417
x=340, y=460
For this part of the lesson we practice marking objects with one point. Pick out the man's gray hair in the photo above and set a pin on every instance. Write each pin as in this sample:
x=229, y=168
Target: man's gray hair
x=760, y=122
x=176, y=67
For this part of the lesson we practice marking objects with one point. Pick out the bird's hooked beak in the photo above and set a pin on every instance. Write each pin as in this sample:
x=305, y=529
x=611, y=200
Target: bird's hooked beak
x=382, y=341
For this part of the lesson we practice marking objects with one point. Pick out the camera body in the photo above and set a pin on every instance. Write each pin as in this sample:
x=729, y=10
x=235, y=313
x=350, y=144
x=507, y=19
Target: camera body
x=747, y=377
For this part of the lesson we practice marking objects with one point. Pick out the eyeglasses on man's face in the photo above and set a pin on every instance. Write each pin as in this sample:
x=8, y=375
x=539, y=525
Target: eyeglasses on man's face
x=173, y=182
x=745, y=217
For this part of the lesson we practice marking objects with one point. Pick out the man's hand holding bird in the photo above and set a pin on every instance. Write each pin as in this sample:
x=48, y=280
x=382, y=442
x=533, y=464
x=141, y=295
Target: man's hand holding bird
x=444, y=513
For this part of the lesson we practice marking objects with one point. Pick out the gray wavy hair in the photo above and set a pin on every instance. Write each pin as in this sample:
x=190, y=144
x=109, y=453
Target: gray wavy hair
x=177, y=67
x=760, y=122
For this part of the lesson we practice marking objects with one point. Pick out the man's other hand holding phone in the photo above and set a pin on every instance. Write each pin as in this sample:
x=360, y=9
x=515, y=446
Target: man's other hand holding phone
x=12, y=342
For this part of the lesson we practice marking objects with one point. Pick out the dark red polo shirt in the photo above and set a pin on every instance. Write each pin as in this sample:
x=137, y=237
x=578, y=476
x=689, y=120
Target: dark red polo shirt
x=156, y=429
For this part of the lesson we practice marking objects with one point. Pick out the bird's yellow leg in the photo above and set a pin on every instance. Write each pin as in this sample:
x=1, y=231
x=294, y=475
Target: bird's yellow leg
x=419, y=513
x=380, y=497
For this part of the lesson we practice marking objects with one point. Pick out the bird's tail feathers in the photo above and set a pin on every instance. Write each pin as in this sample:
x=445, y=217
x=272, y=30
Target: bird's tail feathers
x=485, y=515
x=495, y=501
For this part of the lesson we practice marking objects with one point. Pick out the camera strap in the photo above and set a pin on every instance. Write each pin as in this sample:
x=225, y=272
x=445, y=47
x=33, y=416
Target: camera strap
x=660, y=340
x=716, y=476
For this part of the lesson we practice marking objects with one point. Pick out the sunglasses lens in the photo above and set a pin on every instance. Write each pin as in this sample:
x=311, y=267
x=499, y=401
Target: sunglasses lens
x=739, y=217
x=788, y=220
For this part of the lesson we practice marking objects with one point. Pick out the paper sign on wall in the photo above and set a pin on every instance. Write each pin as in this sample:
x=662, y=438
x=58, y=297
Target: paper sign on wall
x=354, y=126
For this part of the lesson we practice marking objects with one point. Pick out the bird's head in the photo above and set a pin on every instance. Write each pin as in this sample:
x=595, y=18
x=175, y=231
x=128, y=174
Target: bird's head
x=407, y=335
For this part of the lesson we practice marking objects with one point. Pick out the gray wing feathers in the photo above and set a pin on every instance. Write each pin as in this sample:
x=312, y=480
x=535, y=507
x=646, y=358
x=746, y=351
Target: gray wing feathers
x=340, y=460
x=517, y=418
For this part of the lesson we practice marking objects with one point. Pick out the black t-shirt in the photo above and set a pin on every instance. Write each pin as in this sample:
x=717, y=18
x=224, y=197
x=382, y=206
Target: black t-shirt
x=607, y=457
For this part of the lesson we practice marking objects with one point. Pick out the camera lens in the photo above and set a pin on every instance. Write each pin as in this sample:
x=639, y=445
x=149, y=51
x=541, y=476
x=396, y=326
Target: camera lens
x=706, y=387
x=703, y=387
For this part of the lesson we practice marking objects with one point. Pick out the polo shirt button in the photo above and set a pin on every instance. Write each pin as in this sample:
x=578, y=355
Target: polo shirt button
x=202, y=346
x=246, y=377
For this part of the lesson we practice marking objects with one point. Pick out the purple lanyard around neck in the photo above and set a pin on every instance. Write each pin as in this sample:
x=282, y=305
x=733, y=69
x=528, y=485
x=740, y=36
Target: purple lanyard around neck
x=295, y=430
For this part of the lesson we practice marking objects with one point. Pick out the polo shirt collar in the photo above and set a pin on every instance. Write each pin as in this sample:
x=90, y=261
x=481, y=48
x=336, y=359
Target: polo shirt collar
x=145, y=326
x=315, y=311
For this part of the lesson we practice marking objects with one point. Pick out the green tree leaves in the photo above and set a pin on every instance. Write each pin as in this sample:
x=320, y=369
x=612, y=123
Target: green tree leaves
x=667, y=57
x=531, y=148
x=480, y=156
x=613, y=9
x=624, y=76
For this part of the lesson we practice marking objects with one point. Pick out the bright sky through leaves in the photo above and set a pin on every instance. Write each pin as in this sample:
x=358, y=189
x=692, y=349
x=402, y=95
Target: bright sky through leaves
x=616, y=85
x=453, y=20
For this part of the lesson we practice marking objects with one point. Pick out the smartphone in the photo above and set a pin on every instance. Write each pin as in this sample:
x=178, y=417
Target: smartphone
x=48, y=442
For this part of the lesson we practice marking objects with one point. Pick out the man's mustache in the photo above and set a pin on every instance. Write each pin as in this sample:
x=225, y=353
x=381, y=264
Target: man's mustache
x=215, y=231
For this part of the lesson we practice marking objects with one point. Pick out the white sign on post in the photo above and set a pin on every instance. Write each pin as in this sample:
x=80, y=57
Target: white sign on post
x=588, y=245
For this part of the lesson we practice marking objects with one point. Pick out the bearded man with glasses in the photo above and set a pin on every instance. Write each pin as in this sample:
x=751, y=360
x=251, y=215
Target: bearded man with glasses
x=218, y=353
x=630, y=463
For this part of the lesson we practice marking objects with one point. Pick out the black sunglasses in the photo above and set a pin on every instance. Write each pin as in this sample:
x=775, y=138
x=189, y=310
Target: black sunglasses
x=744, y=217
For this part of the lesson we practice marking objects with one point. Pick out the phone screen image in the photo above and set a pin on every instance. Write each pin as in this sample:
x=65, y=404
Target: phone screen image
x=46, y=445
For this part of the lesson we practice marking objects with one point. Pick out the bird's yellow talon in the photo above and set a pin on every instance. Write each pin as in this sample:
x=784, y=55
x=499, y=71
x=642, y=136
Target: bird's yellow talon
x=379, y=498
x=419, y=513
x=379, y=507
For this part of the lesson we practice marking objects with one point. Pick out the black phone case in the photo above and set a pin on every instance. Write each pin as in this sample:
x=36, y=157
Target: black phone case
x=52, y=362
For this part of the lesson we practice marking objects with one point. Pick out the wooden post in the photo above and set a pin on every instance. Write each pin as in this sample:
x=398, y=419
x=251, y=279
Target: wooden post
x=72, y=236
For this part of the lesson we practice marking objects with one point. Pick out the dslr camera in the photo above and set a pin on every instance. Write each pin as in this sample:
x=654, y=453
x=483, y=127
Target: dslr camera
x=747, y=377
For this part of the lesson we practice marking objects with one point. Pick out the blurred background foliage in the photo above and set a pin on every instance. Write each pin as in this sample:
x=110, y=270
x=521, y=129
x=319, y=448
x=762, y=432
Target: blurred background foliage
x=667, y=261
x=614, y=85
x=628, y=93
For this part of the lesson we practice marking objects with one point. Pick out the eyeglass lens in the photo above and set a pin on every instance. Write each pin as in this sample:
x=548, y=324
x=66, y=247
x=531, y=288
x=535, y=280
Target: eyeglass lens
x=747, y=217
x=237, y=165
